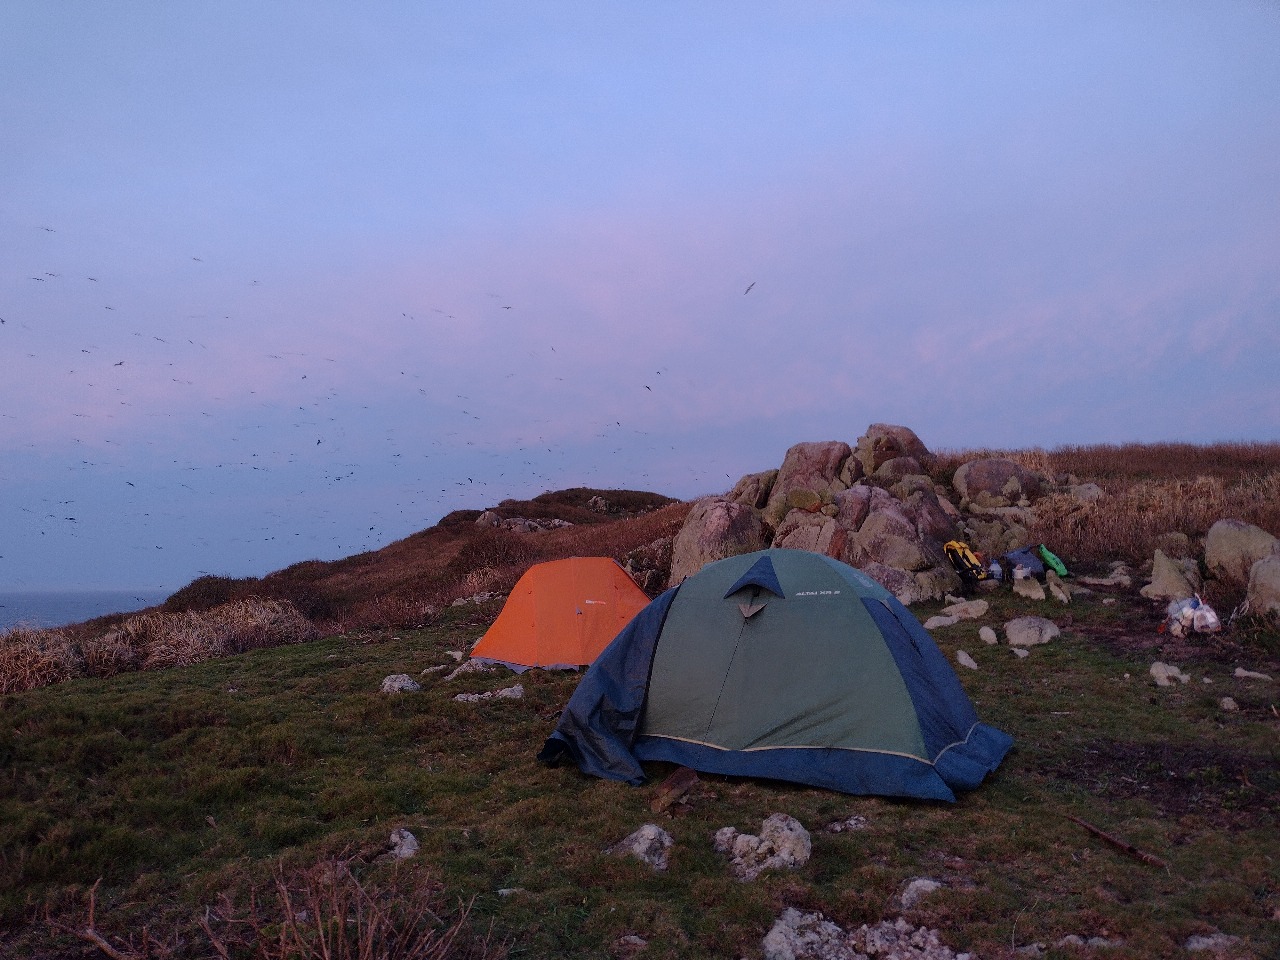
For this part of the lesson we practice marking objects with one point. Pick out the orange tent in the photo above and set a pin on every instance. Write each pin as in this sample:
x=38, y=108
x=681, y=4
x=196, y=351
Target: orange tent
x=562, y=614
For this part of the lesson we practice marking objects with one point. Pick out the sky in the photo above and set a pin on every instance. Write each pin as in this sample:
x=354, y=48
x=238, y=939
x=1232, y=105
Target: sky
x=293, y=280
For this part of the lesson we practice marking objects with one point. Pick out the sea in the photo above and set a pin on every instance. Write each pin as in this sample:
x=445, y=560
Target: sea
x=57, y=608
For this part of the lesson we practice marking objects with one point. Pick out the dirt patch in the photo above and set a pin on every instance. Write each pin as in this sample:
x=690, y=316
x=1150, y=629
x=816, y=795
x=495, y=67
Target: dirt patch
x=1138, y=632
x=1178, y=779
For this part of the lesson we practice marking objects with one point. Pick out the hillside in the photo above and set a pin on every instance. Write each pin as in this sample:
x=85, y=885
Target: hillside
x=242, y=806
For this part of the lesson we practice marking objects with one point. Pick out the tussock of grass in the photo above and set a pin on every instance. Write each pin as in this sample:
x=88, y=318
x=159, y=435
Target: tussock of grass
x=32, y=658
x=328, y=912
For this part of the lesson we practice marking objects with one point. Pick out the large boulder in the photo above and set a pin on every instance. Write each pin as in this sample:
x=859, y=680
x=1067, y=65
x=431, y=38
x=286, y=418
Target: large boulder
x=1232, y=547
x=1171, y=580
x=888, y=537
x=715, y=528
x=886, y=441
x=802, y=530
x=897, y=544
x=1264, y=586
x=933, y=521
x=754, y=489
x=811, y=470
x=896, y=469
x=995, y=481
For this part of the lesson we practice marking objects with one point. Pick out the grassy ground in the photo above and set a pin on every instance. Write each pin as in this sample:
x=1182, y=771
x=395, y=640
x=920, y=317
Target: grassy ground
x=190, y=788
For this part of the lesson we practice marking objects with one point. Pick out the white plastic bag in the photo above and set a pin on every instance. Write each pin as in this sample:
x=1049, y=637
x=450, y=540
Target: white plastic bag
x=1206, y=619
x=1191, y=613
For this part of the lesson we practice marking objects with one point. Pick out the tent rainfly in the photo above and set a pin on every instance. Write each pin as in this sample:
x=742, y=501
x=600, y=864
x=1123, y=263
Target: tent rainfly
x=561, y=614
x=780, y=664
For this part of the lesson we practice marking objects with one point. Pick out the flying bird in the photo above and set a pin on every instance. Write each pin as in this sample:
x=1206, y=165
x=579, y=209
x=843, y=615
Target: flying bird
x=749, y=286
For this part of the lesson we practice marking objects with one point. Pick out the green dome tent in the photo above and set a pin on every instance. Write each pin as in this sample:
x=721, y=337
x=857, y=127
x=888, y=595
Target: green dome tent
x=781, y=664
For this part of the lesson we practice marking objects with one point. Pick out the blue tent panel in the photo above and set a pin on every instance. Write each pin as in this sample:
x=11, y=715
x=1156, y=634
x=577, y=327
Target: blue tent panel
x=760, y=575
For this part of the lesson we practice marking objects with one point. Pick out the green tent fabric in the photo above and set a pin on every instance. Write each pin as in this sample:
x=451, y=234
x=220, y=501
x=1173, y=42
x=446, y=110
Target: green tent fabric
x=783, y=664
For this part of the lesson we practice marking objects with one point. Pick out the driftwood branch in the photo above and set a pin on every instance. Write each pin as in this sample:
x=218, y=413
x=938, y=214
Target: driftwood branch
x=1122, y=845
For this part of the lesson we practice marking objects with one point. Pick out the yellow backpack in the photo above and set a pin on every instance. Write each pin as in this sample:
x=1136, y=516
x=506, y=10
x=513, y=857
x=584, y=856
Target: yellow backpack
x=966, y=562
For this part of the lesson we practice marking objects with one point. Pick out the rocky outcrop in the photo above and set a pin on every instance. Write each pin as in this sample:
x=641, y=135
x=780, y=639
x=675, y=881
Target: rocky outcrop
x=1232, y=547
x=715, y=528
x=810, y=474
x=821, y=500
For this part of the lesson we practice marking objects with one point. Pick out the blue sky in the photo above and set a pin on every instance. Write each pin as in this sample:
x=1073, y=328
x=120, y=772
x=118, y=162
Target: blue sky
x=290, y=281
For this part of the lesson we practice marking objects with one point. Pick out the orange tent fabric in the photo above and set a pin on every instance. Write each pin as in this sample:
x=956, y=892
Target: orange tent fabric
x=562, y=614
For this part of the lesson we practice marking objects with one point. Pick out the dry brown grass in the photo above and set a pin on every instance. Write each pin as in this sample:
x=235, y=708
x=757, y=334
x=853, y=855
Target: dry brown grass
x=32, y=658
x=1151, y=490
x=1129, y=524
x=35, y=658
x=327, y=913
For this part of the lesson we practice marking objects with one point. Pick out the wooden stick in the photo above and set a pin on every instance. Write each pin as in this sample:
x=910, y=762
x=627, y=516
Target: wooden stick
x=90, y=935
x=1123, y=845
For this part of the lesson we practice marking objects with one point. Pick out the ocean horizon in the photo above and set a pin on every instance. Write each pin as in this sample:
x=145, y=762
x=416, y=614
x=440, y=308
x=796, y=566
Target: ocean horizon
x=45, y=609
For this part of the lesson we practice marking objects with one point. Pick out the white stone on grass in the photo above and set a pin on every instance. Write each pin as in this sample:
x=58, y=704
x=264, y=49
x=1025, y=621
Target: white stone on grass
x=399, y=683
x=1166, y=673
x=651, y=845
x=506, y=693
x=1030, y=631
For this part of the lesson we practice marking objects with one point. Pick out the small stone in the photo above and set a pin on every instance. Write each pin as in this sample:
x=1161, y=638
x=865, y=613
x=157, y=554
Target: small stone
x=1029, y=587
x=806, y=936
x=1021, y=653
x=1217, y=942
x=400, y=683
x=470, y=666
x=1228, y=704
x=1108, y=601
x=507, y=693
x=841, y=826
x=1244, y=674
x=1030, y=631
x=967, y=609
x=988, y=636
x=783, y=844
x=651, y=845
x=403, y=844
x=933, y=623
x=510, y=891
x=916, y=890
x=965, y=660
x=1166, y=673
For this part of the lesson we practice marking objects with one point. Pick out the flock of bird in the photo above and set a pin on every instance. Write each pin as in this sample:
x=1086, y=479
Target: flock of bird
x=177, y=434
